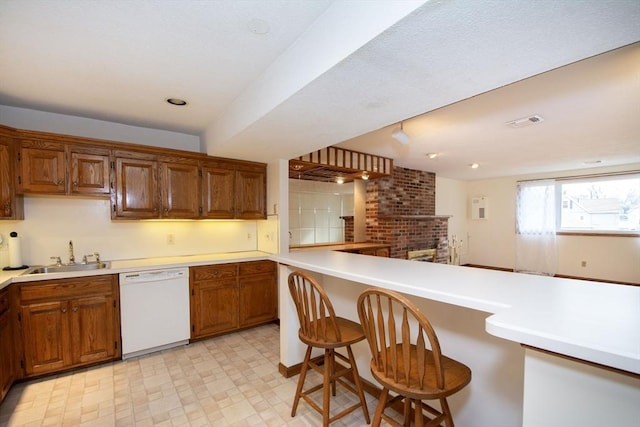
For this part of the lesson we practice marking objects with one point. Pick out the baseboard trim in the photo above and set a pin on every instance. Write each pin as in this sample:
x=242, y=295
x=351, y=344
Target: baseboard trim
x=562, y=276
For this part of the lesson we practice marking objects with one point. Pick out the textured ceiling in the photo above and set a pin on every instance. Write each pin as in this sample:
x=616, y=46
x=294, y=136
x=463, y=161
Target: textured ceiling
x=331, y=71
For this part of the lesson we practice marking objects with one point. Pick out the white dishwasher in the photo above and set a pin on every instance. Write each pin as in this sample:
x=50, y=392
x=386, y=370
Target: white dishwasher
x=154, y=310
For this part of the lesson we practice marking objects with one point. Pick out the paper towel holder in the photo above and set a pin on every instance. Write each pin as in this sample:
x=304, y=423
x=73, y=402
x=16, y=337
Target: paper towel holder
x=14, y=235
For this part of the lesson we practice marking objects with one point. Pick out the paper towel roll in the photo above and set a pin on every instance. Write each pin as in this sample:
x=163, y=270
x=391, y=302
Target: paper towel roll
x=15, y=254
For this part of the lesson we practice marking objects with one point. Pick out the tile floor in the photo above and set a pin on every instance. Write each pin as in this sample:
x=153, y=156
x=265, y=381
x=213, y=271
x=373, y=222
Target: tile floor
x=232, y=380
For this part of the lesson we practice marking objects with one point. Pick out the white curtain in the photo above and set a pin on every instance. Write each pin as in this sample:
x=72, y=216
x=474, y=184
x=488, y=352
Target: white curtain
x=536, y=250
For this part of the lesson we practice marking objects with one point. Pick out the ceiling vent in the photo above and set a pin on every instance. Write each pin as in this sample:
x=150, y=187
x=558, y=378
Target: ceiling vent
x=525, y=121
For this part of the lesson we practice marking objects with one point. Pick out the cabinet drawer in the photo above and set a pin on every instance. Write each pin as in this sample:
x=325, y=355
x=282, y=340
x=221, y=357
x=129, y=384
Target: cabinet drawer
x=257, y=267
x=66, y=288
x=218, y=271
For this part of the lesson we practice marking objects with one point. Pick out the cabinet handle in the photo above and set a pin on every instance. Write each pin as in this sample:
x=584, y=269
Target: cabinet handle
x=75, y=183
x=64, y=310
x=75, y=309
x=61, y=182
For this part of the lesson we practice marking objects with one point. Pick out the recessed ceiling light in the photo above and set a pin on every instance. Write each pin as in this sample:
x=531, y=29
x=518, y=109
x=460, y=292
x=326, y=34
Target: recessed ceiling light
x=176, y=101
x=432, y=155
x=474, y=166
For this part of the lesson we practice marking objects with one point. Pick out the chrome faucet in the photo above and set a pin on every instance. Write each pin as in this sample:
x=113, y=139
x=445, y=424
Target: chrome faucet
x=72, y=259
x=85, y=258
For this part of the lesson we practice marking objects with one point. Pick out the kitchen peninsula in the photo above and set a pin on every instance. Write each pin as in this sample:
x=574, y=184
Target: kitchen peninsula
x=543, y=351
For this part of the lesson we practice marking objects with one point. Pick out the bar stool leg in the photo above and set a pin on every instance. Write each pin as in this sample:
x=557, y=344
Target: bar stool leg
x=358, y=383
x=326, y=409
x=447, y=412
x=303, y=375
x=382, y=402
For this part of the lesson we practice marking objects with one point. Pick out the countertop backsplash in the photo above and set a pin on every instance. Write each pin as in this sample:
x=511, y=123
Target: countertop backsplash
x=50, y=222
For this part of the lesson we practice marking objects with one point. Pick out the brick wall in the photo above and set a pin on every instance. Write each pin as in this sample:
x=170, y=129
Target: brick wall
x=400, y=211
x=348, y=228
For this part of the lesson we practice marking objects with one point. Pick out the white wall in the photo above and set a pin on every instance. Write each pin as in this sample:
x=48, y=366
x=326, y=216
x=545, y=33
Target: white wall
x=50, y=222
x=451, y=199
x=22, y=118
x=491, y=242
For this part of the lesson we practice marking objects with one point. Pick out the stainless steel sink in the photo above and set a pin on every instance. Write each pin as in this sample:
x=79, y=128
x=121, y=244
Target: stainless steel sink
x=67, y=268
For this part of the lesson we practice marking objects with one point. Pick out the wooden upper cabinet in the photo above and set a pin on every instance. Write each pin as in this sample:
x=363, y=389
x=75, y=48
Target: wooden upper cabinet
x=251, y=196
x=58, y=168
x=142, y=182
x=218, y=188
x=11, y=205
x=136, y=188
x=43, y=167
x=180, y=190
x=89, y=171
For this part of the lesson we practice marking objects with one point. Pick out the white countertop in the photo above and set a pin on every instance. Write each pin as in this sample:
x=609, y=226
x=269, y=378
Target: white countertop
x=593, y=321
x=140, y=264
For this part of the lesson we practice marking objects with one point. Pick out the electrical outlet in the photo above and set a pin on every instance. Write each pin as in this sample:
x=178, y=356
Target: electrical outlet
x=248, y=236
x=3, y=243
x=171, y=239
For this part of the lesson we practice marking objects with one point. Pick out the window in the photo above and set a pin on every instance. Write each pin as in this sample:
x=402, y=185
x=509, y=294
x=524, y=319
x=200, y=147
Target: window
x=599, y=204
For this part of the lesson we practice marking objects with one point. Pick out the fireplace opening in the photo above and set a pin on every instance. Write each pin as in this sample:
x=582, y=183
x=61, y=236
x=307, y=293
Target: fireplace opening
x=423, y=255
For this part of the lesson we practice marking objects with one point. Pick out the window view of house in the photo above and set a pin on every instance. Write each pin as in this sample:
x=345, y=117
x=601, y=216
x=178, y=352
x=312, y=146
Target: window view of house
x=603, y=204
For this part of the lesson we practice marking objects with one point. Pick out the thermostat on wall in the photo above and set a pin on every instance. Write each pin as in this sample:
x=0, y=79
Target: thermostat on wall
x=479, y=207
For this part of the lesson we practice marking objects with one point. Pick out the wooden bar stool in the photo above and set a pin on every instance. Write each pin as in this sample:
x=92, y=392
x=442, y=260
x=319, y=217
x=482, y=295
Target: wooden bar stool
x=320, y=328
x=407, y=360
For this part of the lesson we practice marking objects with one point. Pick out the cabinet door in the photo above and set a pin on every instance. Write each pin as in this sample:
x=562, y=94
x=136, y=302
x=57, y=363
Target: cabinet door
x=218, y=188
x=136, y=189
x=251, y=194
x=43, y=169
x=92, y=329
x=7, y=368
x=45, y=334
x=89, y=173
x=258, y=292
x=180, y=195
x=215, y=307
x=258, y=299
x=7, y=194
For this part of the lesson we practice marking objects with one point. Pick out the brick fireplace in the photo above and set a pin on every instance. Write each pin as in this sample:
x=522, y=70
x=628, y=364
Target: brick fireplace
x=400, y=211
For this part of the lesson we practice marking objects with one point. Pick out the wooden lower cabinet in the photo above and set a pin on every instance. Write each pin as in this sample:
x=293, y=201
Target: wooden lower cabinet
x=68, y=323
x=258, y=292
x=214, y=299
x=7, y=356
x=227, y=297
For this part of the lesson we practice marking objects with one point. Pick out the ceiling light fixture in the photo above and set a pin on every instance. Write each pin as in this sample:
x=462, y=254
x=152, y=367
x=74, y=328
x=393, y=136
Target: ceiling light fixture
x=176, y=101
x=474, y=166
x=340, y=180
x=365, y=175
x=399, y=135
x=525, y=121
x=432, y=155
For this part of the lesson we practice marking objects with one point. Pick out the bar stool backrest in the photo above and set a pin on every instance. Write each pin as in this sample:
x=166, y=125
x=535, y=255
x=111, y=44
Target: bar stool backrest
x=315, y=312
x=403, y=344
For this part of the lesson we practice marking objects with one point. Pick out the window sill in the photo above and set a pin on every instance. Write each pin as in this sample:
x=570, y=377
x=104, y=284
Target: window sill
x=593, y=233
